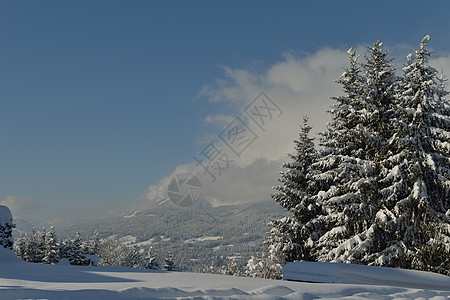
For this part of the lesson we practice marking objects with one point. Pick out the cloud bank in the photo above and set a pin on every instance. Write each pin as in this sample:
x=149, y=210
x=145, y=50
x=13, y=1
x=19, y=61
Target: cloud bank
x=19, y=206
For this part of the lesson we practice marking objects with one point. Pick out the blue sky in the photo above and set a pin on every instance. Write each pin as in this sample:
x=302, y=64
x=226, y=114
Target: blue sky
x=100, y=100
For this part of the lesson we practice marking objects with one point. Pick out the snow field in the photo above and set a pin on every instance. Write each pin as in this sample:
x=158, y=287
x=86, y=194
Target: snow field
x=20, y=280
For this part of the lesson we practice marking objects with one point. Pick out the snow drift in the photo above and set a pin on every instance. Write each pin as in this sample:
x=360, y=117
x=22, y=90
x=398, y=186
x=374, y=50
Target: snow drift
x=320, y=272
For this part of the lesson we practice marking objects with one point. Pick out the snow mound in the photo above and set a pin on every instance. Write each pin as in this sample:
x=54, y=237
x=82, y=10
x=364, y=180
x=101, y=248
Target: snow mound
x=5, y=216
x=320, y=272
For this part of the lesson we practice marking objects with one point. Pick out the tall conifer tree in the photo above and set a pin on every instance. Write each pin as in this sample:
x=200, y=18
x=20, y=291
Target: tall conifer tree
x=416, y=194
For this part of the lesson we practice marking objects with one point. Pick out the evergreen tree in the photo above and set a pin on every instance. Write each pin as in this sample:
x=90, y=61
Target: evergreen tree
x=378, y=190
x=264, y=265
x=415, y=214
x=112, y=252
x=19, y=247
x=295, y=183
x=211, y=269
x=72, y=250
x=380, y=90
x=77, y=257
x=289, y=239
x=150, y=260
x=352, y=200
x=134, y=258
x=31, y=247
x=231, y=268
x=346, y=170
x=91, y=247
x=341, y=166
x=349, y=164
x=94, y=243
x=169, y=264
x=51, y=249
x=64, y=248
x=34, y=247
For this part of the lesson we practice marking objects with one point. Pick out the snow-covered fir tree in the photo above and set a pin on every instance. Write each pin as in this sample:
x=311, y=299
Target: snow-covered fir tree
x=208, y=269
x=295, y=182
x=90, y=249
x=112, y=252
x=380, y=89
x=351, y=149
x=169, y=264
x=19, y=247
x=34, y=247
x=91, y=246
x=51, y=247
x=135, y=258
x=64, y=247
x=43, y=247
x=72, y=250
x=150, y=260
x=289, y=238
x=231, y=268
x=415, y=206
x=264, y=265
x=29, y=248
x=379, y=188
x=347, y=167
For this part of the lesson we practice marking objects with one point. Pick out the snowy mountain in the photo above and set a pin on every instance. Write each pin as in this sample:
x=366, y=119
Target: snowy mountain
x=197, y=237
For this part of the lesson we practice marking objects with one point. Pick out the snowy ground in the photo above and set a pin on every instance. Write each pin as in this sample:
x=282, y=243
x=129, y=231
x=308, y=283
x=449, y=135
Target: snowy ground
x=20, y=280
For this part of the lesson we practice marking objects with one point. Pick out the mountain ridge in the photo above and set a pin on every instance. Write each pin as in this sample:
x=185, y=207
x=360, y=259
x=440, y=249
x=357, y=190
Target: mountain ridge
x=199, y=236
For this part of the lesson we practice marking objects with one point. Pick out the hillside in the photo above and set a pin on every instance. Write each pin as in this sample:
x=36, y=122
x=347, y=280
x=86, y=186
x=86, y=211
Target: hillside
x=197, y=236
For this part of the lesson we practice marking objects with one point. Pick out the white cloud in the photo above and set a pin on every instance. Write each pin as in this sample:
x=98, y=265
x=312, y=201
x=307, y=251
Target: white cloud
x=19, y=205
x=442, y=64
x=157, y=193
x=238, y=184
x=300, y=85
x=222, y=120
x=237, y=86
x=243, y=184
x=308, y=74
